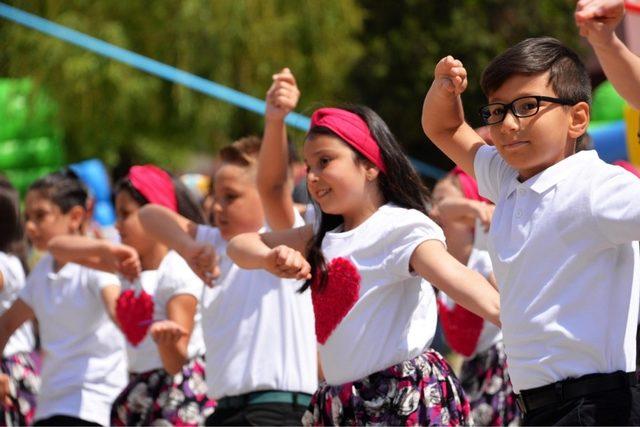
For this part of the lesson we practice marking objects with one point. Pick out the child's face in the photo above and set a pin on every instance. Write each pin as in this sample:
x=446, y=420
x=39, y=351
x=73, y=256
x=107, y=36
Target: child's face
x=532, y=144
x=336, y=181
x=237, y=206
x=128, y=224
x=45, y=220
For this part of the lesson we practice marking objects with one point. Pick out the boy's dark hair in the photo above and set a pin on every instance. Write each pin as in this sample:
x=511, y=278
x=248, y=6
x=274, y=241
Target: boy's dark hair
x=401, y=185
x=188, y=206
x=11, y=230
x=63, y=188
x=567, y=74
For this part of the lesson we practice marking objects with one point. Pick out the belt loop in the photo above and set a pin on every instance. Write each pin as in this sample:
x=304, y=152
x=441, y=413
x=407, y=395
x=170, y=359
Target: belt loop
x=559, y=391
x=295, y=399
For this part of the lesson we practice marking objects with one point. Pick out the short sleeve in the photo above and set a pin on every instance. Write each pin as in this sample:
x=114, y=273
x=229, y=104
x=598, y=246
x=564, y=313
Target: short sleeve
x=98, y=280
x=12, y=273
x=615, y=206
x=37, y=274
x=179, y=279
x=210, y=235
x=404, y=238
x=491, y=172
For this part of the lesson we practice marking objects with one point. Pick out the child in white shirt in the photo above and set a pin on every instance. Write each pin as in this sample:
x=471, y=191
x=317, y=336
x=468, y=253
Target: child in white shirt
x=561, y=238
x=83, y=363
x=375, y=315
x=17, y=359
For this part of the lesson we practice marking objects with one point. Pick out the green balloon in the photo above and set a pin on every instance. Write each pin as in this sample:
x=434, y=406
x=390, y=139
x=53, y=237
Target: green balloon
x=607, y=105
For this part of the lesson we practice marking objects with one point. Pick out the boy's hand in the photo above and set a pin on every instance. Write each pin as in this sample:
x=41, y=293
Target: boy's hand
x=598, y=19
x=450, y=76
x=126, y=261
x=282, y=96
x=5, y=390
x=464, y=210
x=166, y=332
x=287, y=263
x=203, y=260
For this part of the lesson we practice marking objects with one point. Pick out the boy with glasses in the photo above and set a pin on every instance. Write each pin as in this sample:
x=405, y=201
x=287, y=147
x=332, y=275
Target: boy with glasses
x=561, y=238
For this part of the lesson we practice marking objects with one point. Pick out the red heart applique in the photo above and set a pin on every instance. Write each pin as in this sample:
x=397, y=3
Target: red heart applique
x=461, y=327
x=333, y=302
x=135, y=315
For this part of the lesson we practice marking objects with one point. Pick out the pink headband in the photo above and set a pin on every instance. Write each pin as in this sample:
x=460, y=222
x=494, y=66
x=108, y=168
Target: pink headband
x=155, y=185
x=468, y=184
x=352, y=129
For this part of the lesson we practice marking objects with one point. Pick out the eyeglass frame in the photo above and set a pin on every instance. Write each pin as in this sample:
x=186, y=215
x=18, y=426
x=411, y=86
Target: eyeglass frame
x=509, y=107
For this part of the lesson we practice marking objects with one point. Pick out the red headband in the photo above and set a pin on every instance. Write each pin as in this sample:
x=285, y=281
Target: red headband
x=468, y=184
x=352, y=129
x=155, y=185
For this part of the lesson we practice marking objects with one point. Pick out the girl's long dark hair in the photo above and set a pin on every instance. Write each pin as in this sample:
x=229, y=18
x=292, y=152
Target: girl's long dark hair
x=400, y=185
x=11, y=227
x=188, y=207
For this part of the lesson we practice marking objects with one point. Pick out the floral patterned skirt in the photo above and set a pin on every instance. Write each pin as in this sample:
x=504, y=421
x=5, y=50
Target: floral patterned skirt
x=157, y=398
x=421, y=391
x=486, y=382
x=24, y=372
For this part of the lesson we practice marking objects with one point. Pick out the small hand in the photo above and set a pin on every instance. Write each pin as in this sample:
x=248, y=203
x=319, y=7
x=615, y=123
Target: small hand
x=450, y=75
x=127, y=261
x=288, y=263
x=203, y=260
x=5, y=389
x=166, y=332
x=282, y=96
x=598, y=19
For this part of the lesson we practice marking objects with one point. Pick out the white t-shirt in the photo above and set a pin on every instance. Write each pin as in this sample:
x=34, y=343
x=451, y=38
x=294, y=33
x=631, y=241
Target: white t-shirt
x=394, y=318
x=173, y=277
x=259, y=332
x=22, y=340
x=479, y=261
x=83, y=364
x=562, y=252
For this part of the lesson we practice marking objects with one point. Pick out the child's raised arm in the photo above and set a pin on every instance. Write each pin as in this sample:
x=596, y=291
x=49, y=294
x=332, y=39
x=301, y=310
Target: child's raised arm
x=466, y=287
x=273, y=180
x=597, y=20
x=443, y=116
x=96, y=253
x=279, y=252
x=178, y=233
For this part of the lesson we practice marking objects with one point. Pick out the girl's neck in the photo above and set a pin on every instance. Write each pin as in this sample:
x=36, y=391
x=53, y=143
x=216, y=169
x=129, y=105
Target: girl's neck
x=363, y=211
x=153, y=257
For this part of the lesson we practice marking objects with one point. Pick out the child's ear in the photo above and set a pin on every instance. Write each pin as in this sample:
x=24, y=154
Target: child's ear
x=579, y=119
x=77, y=215
x=372, y=173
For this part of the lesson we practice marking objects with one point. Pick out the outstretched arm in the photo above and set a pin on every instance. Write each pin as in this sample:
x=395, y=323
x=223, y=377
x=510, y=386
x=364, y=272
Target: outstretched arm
x=274, y=183
x=466, y=287
x=172, y=335
x=280, y=252
x=178, y=233
x=443, y=116
x=95, y=253
x=597, y=20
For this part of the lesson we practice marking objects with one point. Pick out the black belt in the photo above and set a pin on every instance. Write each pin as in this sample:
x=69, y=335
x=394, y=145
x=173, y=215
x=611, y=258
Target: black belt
x=573, y=388
x=271, y=396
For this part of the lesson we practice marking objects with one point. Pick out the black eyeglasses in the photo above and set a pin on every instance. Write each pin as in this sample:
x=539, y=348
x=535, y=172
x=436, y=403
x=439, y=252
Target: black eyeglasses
x=525, y=106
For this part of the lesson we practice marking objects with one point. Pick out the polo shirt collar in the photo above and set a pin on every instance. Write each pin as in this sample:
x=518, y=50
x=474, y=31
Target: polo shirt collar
x=68, y=271
x=554, y=174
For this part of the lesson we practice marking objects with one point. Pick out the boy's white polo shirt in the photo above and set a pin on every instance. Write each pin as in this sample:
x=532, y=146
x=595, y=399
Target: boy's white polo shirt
x=562, y=249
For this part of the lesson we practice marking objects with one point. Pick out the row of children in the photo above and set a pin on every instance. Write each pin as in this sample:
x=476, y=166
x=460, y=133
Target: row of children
x=560, y=243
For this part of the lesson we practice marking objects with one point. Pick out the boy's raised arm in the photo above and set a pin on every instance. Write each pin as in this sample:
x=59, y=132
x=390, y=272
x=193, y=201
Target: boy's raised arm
x=597, y=20
x=273, y=180
x=443, y=116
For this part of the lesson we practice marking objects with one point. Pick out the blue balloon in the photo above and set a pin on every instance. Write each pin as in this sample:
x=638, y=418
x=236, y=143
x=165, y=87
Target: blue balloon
x=610, y=141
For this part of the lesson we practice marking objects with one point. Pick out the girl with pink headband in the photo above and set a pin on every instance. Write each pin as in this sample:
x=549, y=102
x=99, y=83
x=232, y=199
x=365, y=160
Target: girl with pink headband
x=158, y=311
x=464, y=215
x=369, y=261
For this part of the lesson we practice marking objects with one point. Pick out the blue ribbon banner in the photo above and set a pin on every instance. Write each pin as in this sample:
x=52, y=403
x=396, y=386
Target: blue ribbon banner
x=165, y=71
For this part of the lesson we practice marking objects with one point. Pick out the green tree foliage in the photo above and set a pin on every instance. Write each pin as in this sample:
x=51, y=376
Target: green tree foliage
x=405, y=39
x=123, y=115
